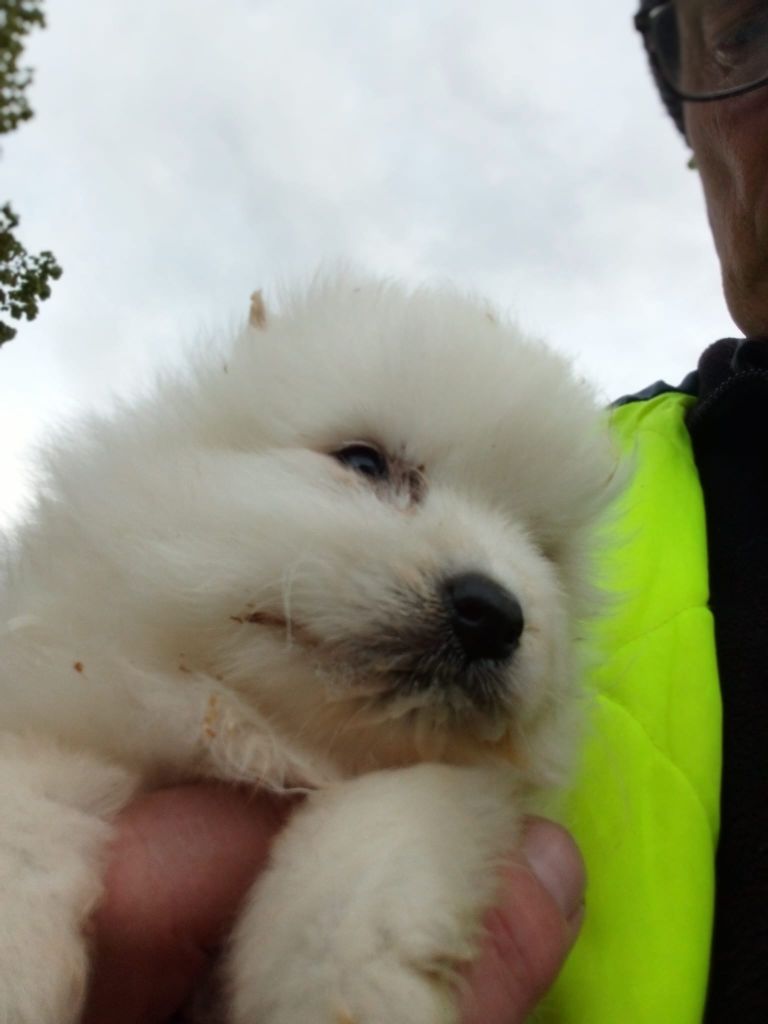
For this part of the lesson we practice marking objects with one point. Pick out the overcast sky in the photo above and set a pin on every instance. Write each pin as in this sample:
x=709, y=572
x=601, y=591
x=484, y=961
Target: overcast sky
x=186, y=151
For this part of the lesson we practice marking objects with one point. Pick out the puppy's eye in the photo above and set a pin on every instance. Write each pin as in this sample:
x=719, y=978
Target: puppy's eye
x=363, y=459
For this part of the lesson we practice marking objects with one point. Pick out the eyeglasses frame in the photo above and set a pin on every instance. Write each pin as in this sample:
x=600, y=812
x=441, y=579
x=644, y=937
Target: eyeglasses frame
x=644, y=24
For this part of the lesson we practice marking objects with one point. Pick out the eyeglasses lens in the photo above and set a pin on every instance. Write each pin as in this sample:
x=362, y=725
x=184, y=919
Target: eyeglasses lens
x=708, y=47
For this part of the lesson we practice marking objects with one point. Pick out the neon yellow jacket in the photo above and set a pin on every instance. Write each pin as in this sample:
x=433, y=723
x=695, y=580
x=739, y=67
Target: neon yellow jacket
x=645, y=811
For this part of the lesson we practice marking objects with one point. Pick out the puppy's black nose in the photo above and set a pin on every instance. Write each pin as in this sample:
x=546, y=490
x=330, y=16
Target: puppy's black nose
x=486, y=619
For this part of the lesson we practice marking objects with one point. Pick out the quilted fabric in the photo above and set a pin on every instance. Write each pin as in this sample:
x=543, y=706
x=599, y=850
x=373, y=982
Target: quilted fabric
x=645, y=808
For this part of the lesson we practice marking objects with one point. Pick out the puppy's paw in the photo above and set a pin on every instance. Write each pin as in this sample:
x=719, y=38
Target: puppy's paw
x=374, y=901
x=43, y=974
x=52, y=844
x=390, y=991
x=398, y=970
x=45, y=899
x=377, y=959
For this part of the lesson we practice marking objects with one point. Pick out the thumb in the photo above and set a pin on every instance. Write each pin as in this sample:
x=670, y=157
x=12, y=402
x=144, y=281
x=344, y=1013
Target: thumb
x=531, y=929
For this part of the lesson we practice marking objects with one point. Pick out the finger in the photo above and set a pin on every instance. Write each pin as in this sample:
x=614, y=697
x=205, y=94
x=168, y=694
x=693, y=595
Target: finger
x=531, y=930
x=180, y=865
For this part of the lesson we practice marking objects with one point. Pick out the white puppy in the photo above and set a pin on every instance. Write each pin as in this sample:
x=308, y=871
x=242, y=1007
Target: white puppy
x=349, y=557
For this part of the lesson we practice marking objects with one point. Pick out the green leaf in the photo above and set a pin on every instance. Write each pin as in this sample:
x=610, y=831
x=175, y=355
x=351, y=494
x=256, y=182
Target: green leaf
x=24, y=277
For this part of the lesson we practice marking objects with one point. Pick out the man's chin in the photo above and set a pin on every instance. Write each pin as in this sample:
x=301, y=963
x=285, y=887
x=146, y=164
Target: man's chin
x=747, y=299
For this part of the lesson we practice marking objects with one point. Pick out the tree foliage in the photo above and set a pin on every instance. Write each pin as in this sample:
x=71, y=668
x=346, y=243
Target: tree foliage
x=24, y=278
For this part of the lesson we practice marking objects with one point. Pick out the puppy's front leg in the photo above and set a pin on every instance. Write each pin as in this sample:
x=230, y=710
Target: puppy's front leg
x=374, y=899
x=53, y=830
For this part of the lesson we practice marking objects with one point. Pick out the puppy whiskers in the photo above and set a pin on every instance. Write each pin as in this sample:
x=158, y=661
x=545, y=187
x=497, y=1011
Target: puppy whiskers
x=288, y=581
x=348, y=724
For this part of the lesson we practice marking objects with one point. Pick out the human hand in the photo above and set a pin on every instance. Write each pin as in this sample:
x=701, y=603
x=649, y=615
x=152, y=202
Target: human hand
x=180, y=865
x=530, y=931
x=184, y=858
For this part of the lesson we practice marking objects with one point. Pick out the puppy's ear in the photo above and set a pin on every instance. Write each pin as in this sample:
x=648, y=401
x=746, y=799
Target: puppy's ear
x=258, y=314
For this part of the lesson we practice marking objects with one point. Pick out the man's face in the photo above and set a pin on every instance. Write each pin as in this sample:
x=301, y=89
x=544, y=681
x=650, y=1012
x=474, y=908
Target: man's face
x=730, y=143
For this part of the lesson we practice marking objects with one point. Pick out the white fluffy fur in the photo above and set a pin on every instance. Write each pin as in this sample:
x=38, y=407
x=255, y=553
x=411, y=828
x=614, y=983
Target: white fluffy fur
x=198, y=593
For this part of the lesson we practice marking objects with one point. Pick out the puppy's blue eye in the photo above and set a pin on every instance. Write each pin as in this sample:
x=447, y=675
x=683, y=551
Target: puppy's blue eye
x=363, y=459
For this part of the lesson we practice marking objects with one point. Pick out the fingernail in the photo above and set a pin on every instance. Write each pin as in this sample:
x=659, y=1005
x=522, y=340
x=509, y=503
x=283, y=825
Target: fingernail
x=555, y=860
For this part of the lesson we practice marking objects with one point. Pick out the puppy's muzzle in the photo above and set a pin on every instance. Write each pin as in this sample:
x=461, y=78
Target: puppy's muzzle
x=452, y=649
x=486, y=619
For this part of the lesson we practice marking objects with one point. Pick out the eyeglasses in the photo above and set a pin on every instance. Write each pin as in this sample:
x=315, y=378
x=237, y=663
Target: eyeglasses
x=708, y=49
